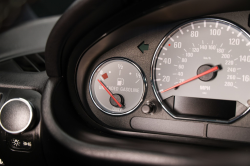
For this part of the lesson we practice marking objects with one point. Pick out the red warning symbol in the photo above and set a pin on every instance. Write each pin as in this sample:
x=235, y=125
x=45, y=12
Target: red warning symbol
x=105, y=76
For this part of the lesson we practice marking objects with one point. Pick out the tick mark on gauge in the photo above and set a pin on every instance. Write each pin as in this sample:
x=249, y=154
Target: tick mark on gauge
x=181, y=31
x=239, y=34
x=192, y=25
x=229, y=51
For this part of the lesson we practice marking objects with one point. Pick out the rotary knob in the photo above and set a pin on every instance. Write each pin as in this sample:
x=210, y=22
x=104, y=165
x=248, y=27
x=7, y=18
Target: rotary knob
x=16, y=116
x=147, y=108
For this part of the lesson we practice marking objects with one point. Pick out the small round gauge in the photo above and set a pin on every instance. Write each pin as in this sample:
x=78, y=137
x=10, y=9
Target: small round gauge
x=200, y=70
x=117, y=86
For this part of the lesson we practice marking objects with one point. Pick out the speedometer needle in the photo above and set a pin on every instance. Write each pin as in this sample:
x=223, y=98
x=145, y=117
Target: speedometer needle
x=193, y=78
x=111, y=95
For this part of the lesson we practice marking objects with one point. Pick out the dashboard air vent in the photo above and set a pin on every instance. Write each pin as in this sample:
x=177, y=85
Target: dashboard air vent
x=28, y=63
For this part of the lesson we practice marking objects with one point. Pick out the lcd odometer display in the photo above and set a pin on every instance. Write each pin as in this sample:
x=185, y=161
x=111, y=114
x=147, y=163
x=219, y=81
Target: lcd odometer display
x=203, y=59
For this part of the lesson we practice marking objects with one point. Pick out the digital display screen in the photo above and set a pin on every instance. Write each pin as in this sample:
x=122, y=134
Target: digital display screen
x=203, y=108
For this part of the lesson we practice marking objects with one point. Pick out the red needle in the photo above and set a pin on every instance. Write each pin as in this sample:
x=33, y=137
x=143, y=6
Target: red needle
x=117, y=102
x=193, y=78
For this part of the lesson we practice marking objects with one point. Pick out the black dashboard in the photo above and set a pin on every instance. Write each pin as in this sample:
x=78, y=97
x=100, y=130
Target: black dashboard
x=133, y=82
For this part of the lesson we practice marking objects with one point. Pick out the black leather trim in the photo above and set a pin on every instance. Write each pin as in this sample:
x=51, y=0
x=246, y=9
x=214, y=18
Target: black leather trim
x=89, y=12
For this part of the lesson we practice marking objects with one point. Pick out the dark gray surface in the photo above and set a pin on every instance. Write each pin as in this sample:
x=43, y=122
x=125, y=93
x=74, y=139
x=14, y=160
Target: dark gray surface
x=168, y=126
x=228, y=133
x=26, y=39
x=28, y=80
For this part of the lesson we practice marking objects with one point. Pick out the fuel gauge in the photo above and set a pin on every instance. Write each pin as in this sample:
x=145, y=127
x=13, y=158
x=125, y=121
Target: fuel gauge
x=117, y=86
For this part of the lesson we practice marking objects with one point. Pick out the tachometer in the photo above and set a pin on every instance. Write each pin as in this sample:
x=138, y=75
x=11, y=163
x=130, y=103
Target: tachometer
x=200, y=71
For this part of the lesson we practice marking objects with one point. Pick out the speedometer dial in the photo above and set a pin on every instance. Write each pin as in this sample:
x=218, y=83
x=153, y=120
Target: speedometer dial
x=201, y=71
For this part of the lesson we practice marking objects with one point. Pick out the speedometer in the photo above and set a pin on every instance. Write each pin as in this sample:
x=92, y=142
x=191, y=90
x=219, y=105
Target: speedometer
x=201, y=71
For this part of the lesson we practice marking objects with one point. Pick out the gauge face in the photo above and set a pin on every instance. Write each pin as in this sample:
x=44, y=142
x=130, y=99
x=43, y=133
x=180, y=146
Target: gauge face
x=117, y=86
x=203, y=59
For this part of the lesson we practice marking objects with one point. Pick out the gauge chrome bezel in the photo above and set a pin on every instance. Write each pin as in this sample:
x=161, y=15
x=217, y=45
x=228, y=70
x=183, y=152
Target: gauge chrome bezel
x=28, y=104
x=153, y=64
x=143, y=93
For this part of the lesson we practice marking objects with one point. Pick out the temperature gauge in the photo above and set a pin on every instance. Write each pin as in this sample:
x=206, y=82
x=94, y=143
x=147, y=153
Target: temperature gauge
x=117, y=86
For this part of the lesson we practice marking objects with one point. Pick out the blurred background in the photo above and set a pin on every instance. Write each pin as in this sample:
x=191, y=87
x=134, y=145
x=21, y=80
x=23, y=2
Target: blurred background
x=16, y=12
